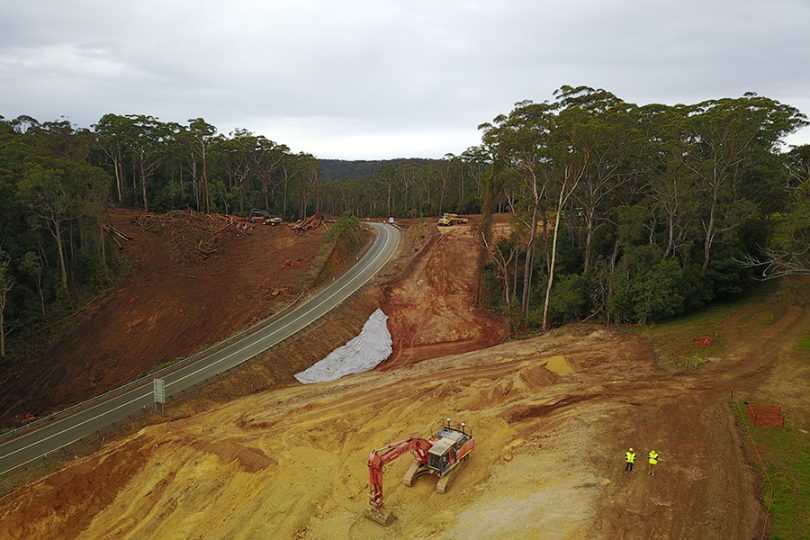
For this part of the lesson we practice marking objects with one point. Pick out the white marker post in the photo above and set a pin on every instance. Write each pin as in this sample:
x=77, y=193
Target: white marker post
x=160, y=393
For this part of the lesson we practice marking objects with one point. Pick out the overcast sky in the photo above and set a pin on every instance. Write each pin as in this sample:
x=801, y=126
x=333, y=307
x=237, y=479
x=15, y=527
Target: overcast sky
x=373, y=79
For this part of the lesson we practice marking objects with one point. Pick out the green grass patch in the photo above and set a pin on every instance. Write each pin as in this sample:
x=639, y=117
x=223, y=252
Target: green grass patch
x=803, y=344
x=673, y=339
x=786, y=456
x=775, y=314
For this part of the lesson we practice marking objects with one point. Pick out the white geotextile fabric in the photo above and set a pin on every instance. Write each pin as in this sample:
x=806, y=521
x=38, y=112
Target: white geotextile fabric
x=364, y=352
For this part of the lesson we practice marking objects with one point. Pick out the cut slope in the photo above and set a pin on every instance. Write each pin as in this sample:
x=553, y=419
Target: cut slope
x=432, y=310
x=175, y=301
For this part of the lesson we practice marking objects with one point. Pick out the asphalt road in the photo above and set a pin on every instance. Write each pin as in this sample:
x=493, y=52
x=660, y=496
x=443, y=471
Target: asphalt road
x=37, y=444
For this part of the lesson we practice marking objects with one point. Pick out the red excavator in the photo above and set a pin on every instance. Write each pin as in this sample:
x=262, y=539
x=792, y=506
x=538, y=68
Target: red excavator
x=443, y=454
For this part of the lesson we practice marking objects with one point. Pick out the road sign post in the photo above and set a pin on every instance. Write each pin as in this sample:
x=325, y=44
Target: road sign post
x=160, y=393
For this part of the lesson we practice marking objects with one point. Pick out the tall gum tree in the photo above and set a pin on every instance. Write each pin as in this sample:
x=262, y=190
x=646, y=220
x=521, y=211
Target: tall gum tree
x=520, y=140
x=201, y=135
x=725, y=135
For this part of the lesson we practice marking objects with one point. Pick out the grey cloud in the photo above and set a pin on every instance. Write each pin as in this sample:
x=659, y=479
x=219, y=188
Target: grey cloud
x=355, y=78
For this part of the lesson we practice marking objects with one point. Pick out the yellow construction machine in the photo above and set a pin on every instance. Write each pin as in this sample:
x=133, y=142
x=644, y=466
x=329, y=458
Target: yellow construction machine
x=448, y=220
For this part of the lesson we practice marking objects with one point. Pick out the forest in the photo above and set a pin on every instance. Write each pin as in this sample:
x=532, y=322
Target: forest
x=621, y=213
x=631, y=214
x=58, y=183
x=342, y=169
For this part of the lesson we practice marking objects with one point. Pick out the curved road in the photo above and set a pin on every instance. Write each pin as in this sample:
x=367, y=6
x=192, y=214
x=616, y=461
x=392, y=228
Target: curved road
x=37, y=444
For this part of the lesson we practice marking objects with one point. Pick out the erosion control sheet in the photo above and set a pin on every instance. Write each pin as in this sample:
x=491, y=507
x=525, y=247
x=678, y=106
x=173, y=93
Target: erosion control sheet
x=362, y=353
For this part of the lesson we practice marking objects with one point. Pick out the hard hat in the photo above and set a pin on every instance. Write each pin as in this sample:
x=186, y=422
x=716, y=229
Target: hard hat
x=631, y=449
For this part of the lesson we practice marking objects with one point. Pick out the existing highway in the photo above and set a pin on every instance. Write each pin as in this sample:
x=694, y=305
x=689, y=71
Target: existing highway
x=58, y=434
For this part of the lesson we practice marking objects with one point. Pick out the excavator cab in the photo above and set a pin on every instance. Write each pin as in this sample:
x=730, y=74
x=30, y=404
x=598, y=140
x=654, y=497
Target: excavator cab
x=443, y=455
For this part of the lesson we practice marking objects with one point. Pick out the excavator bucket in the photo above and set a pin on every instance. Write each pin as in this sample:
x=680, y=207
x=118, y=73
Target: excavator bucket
x=382, y=516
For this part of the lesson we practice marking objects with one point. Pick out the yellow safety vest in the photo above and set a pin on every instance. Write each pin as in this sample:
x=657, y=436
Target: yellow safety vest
x=631, y=458
x=653, y=458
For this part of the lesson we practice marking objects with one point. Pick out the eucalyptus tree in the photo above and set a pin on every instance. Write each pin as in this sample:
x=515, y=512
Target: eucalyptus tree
x=266, y=160
x=607, y=129
x=112, y=133
x=569, y=155
x=201, y=134
x=725, y=138
x=147, y=142
x=520, y=140
x=50, y=201
x=239, y=150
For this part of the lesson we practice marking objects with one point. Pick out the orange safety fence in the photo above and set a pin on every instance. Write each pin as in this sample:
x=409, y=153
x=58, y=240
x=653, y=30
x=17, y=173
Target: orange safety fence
x=703, y=341
x=766, y=416
x=769, y=499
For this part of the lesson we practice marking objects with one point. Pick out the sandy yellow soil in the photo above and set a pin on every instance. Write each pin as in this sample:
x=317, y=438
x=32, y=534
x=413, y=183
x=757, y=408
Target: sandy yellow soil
x=552, y=415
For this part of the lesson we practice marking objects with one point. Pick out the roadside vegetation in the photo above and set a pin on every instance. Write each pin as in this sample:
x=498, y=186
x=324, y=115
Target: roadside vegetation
x=786, y=456
x=345, y=240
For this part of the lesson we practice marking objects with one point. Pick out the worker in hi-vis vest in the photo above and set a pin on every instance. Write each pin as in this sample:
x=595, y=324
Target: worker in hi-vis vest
x=630, y=458
x=653, y=462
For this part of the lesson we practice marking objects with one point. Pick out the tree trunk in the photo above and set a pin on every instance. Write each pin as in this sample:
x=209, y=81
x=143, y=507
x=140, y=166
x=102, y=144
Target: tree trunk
x=57, y=234
x=41, y=295
x=205, y=181
x=134, y=182
x=589, y=221
x=143, y=186
x=118, y=182
x=266, y=182
x=527, y=268
x=707, y=242
x=553, y=259
x=670, y=236
x=195, y=184
x=565, y=193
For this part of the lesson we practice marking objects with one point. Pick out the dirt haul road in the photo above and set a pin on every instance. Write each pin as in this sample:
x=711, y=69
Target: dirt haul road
x=553, y=416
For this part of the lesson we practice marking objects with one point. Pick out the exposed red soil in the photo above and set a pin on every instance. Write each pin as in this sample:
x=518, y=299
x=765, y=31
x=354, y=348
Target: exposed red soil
x=173, y=302
x=553, y=416
x=433, y=310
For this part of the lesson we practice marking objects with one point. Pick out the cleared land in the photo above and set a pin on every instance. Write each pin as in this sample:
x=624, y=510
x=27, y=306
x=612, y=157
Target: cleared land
x=553, y=416
x=171, y=305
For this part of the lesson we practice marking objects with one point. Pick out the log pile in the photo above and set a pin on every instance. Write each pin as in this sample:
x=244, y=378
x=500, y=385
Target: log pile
x=117, y=236
x=193, y=236
x=312, y=222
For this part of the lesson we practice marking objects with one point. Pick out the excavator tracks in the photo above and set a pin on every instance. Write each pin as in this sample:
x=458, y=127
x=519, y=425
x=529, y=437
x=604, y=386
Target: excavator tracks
x=445, y=482
x=414, y=471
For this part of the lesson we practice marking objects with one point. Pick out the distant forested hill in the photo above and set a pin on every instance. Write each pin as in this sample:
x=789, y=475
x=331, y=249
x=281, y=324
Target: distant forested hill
x=338, y=169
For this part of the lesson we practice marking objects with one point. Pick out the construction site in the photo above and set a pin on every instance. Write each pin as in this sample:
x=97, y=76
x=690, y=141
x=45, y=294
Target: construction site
x=496, y=437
